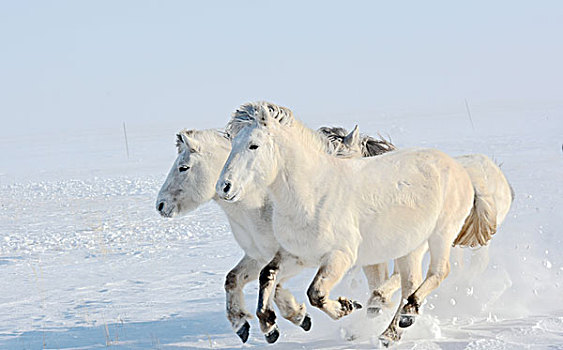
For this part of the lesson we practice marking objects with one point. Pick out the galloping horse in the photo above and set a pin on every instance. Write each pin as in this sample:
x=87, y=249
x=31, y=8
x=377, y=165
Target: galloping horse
x=335, y=213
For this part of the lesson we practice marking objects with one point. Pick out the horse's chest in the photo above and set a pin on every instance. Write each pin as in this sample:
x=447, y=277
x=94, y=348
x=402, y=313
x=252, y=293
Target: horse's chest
x=302, y=239
x=255, y=237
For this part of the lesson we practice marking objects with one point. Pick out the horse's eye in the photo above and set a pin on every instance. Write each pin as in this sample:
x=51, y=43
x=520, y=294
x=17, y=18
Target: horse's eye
x=253, y=147
x=183, y=168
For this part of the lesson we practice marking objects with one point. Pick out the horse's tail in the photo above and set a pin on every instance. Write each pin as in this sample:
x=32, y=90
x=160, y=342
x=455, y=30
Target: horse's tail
x=481, y=224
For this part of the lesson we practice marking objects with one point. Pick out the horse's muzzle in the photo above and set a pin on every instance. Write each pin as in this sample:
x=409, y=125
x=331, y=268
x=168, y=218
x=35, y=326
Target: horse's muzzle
x=225, y=191
x=164, y=209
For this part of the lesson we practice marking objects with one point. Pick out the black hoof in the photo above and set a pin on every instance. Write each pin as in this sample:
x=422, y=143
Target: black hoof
x=306, y=324
x=385, y=342
x=356, y=305
x=406, y=321
x=374, y=311
x=244, y=331
x=273, y=335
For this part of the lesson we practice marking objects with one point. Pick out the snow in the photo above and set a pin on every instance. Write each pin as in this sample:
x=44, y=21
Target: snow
x=88, y=263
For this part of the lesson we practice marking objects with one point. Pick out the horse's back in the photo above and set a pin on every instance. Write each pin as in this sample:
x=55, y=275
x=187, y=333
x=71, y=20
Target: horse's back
x=413, y=167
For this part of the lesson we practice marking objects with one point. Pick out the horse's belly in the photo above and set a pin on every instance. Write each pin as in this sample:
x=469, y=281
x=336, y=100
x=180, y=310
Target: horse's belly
x=303, y=244
x=385, y=238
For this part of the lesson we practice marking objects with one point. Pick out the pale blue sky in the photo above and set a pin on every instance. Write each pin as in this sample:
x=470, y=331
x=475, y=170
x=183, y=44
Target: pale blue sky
x=68, y=64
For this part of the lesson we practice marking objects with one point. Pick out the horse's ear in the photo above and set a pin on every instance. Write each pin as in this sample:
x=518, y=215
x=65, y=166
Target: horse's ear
x=185, y=142
x=353, y=138
x=180, y=145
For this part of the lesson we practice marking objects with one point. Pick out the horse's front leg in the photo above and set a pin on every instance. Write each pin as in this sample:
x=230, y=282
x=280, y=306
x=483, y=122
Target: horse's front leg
x=282, y=267
x=245, y=271
x=265, y=313
x=329, y=274
x=290, y=309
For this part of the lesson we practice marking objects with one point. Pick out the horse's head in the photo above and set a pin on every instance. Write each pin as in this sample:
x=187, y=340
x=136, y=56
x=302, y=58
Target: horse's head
x=252, y=161
x=191, y=180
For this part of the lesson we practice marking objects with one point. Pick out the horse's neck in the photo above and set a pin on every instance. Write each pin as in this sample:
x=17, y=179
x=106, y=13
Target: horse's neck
x=248, y=204
x=301, y=168
x=252, y=214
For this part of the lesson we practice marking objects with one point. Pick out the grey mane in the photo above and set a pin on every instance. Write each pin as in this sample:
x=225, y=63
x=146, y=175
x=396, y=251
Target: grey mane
x=370, y=146
x=253, y=112
x=331, y=138
x=257, y=111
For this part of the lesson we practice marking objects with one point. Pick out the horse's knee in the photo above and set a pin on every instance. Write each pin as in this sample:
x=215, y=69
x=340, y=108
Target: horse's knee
x=267, y=274
x=316, y=297
x=231, y=281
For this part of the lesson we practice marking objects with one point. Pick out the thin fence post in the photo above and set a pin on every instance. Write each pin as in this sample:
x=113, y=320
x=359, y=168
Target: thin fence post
x=126, y=143
x=469, y=114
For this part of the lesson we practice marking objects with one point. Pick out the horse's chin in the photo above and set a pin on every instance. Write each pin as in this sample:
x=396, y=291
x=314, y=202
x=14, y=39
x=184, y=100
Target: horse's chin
x=172, y=210
x=234, y=198
x=169, y=214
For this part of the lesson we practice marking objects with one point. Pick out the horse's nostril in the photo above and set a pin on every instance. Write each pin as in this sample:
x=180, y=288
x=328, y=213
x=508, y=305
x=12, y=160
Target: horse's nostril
x=227, y=187
x=160, y=206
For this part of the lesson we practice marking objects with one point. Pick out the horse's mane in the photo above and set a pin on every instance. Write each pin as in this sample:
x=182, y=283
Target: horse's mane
x=370, y=146
x=252, y=112
x=331, y=140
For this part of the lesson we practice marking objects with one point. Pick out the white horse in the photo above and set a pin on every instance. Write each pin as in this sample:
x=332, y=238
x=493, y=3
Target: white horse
x=335, y=213
x=191, y=183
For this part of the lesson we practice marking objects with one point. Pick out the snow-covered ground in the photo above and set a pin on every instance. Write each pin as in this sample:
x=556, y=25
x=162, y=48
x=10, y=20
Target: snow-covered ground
x=86, y=262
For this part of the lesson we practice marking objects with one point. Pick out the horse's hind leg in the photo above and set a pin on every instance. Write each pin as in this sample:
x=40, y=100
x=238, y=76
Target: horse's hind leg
x=438, y=270
x=409, y=267
x=381, y=286
x=330, y=273
x=246, y=270
x=290, y=309
x=281, y=267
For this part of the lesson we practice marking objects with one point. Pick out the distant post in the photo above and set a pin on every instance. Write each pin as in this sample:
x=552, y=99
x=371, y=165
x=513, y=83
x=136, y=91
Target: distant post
x=469, y=114
x=126, y=143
